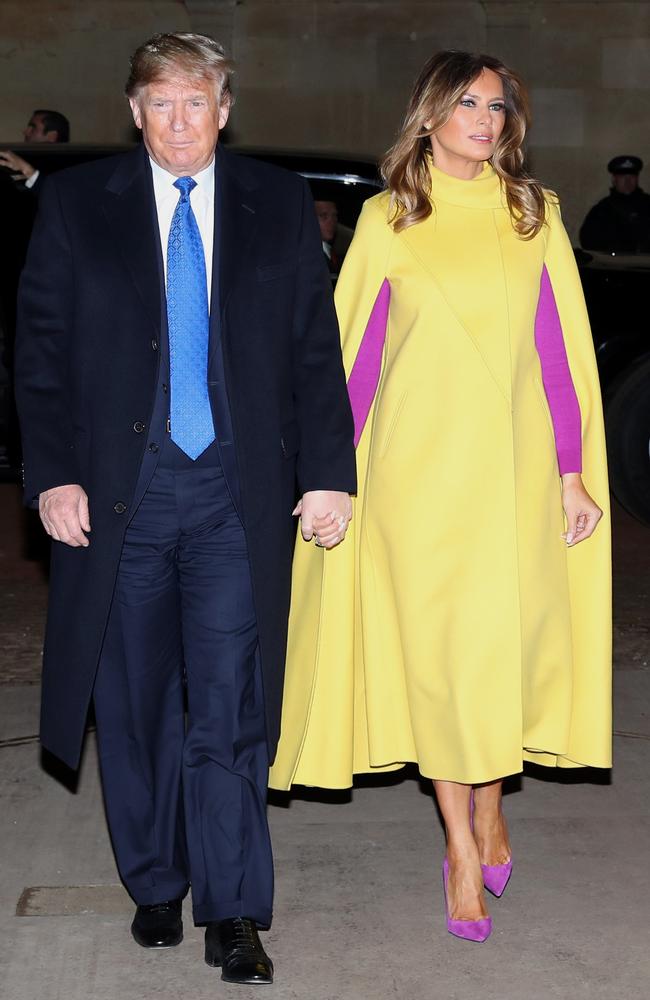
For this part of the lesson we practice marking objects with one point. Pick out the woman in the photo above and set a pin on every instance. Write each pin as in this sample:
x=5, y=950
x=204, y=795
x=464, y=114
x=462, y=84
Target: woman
x=465, y=622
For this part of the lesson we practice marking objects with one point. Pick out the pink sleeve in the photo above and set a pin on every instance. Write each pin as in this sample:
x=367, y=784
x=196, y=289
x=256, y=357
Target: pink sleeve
x=364, y=377
x=558, y=384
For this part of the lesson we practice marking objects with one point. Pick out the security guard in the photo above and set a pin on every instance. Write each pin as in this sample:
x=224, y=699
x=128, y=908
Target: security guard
x=620, y=223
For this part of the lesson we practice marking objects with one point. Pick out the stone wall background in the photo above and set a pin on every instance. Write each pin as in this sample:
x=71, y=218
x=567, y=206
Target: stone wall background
x=335, y=74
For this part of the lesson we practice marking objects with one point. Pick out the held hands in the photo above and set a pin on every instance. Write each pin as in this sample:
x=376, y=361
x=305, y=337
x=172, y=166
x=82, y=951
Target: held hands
x=21, y=169
x=64, y=513
x=582, y=514
x=324, y=515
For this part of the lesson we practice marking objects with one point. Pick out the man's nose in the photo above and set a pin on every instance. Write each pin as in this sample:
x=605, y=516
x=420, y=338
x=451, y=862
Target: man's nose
x=178, y=120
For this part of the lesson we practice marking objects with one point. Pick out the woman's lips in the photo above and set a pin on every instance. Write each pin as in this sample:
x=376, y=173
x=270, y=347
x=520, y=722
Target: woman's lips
x=482, y=138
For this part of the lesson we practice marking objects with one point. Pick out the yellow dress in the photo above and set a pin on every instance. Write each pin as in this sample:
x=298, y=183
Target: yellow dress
x=453, y=627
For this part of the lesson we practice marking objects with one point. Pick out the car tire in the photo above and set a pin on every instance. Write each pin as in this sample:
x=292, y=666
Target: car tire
x=627, y=423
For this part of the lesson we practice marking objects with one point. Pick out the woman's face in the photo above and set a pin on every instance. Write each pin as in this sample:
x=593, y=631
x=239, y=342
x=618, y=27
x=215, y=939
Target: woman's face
x=471, y=134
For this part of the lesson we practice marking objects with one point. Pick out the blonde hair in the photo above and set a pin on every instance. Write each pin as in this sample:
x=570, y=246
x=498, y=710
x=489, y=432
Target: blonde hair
x=440, y=86
x=195, y=56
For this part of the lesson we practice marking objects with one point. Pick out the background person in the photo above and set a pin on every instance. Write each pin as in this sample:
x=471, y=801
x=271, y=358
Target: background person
x=43, y=126
x=178, y=366
x=17, y=220
x=620, y=223
x=328, y=220
x=462, y=624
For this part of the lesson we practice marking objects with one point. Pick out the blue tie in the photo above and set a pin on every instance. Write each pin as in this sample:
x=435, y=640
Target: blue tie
x=188, y=321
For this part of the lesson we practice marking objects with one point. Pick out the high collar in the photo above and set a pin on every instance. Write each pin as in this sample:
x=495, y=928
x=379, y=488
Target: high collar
x=484, y=191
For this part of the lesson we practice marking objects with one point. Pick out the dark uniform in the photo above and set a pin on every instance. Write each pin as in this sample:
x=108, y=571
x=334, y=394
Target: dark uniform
x=619, y=223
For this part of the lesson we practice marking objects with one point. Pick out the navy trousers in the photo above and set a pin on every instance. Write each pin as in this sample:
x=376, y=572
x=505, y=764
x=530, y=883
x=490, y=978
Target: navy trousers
x=186, y=795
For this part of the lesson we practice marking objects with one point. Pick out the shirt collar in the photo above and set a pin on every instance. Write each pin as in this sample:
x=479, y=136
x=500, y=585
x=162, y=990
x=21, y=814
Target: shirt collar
x=163, y=181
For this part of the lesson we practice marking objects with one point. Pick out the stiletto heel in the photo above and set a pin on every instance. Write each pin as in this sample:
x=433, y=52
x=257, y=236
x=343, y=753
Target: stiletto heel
x=469, y=930
x=495, y=877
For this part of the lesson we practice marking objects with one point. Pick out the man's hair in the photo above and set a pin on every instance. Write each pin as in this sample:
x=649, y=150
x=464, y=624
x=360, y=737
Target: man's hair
x=192, y=55
x=54, y=121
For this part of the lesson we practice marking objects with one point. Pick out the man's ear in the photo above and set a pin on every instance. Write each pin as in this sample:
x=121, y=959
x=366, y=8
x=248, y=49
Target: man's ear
x=224, y=112
x=135, y=111
x=52, y=135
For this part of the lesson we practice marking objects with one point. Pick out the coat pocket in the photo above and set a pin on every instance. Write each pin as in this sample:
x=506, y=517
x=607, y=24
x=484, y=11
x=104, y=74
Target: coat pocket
x=392, y=424
x=541, y=392
x=267, y=272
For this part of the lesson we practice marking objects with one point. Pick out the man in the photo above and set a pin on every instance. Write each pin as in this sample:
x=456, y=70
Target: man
x=328, y=221
x=620, y=223
x=178, y=365
x=43, y=126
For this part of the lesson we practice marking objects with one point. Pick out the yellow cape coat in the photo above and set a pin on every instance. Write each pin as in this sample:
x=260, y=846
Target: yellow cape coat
x=453, y=627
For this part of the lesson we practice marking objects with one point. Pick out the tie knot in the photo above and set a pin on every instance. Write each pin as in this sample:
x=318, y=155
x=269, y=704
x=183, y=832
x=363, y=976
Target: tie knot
x=185, y=185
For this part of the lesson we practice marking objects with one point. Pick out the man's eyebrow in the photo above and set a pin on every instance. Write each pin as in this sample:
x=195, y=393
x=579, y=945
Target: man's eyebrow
x=166, y=97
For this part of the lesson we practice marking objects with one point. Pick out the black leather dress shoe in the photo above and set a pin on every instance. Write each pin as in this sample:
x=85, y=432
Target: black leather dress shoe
x=235, y=946
x=158, y=926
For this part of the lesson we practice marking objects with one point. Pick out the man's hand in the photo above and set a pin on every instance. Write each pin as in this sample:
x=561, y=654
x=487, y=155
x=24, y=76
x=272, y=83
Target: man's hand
x=21, y=169
x=325, y=515
x=64, y=513
x=582, y=514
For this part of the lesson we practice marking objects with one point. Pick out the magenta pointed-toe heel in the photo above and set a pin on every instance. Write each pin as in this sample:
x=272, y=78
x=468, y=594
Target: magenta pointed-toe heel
x=469, y=930
x=495, y=877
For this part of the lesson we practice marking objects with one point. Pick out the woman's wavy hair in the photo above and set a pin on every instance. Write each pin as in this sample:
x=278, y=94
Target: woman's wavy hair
x=440, y=86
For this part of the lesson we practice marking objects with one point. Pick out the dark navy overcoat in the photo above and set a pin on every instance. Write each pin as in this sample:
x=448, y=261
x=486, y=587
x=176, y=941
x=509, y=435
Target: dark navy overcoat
x=91, y=317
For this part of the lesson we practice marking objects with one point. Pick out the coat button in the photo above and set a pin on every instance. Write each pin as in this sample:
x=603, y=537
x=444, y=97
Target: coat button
x=154, y=345
x=153, y=447
x=138, y=427
x=119, y=507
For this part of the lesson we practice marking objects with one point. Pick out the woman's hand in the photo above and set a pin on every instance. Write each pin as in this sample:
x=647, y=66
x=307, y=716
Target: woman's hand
x=582, y=514
x=324, y=515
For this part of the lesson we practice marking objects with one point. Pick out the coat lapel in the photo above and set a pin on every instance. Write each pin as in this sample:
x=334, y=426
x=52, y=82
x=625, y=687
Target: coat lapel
x=129, y=208
x=235, y=223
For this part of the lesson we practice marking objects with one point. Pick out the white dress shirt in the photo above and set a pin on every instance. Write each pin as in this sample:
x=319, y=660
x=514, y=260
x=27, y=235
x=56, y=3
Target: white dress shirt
x=202, y=202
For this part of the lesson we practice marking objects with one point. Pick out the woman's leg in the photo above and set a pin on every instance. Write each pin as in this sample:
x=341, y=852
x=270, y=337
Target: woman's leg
x=465, y=898
x=490, y=830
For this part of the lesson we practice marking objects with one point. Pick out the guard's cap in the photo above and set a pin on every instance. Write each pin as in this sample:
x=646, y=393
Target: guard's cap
x=625, y=165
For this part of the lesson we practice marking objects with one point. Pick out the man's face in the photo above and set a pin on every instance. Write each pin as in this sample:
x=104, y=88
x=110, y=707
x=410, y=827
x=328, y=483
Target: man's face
x=328, y=218
x=180, y=121
x=625, y=183
x=35, y=131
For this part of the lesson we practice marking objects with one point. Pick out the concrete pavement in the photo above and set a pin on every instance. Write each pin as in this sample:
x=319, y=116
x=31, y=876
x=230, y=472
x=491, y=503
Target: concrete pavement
x=359, y=910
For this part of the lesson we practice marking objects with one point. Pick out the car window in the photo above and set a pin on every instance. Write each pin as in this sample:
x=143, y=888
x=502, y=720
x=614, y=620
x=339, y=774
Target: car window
x=347, y=191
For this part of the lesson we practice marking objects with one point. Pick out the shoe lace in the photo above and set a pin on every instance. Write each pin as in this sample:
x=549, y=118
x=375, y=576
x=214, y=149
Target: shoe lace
x=244, y=938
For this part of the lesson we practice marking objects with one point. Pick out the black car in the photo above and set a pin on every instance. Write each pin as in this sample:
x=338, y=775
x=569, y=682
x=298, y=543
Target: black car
x=617, y=291
x=616, y=288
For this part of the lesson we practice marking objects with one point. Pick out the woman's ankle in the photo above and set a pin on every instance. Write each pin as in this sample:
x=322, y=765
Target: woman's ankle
x=462, y=849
